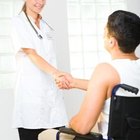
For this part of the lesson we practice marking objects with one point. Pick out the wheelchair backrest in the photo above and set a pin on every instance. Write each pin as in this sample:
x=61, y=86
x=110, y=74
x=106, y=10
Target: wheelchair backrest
x=124, y=119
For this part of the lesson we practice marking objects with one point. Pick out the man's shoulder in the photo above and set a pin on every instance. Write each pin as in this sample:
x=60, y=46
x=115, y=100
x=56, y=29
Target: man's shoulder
x=106, y=71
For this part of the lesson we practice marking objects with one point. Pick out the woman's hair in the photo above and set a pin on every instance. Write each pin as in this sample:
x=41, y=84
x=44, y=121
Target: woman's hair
x=24, y=7
x=124, y=26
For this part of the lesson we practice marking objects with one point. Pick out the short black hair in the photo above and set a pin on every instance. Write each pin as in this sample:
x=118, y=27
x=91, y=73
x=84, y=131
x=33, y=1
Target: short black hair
x=125, y=27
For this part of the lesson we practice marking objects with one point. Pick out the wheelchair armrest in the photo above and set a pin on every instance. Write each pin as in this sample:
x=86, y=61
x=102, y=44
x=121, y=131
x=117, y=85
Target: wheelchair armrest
x=89, y=136
x=129, y=88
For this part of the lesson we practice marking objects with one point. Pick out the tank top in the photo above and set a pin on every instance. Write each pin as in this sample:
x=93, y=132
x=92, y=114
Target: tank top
x=129, y=72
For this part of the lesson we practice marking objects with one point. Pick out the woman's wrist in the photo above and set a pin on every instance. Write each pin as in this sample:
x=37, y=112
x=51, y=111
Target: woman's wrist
x=54, y=73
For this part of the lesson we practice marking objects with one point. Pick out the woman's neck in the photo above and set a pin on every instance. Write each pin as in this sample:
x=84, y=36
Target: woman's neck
x=33, y=14
x=36, y=17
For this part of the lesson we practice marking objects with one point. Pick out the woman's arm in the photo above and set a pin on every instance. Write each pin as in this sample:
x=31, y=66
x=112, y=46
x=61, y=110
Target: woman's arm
x=44, y=65
x=39, y=61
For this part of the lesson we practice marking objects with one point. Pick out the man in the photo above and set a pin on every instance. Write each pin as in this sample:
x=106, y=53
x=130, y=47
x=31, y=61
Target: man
x=121, y=38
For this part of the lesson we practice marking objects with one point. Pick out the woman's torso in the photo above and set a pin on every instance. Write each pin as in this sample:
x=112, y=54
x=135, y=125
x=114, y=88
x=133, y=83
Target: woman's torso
x=38, y=102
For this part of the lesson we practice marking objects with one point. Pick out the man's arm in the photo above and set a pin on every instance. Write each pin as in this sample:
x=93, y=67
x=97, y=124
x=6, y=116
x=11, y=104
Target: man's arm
x=71, y=82
x=80, y=83
x=100, y=86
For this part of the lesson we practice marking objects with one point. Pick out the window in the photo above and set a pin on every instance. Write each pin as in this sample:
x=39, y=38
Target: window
x=8, y=8
x=86, y=21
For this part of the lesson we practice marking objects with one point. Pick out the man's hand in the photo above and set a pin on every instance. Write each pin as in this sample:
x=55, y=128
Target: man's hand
x=64, y=80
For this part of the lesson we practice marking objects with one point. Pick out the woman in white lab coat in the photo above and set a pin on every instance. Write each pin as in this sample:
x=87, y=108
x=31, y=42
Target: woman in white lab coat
x=38, y=103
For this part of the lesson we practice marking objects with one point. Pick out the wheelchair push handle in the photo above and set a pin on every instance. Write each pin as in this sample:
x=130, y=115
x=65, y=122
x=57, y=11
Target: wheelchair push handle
x=129, y=88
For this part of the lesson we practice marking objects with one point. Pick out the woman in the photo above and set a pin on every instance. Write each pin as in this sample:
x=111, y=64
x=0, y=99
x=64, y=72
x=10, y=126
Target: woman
x=38, y=103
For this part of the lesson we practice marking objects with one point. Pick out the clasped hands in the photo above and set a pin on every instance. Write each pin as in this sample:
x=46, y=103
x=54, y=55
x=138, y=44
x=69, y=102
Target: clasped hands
x=64, y=80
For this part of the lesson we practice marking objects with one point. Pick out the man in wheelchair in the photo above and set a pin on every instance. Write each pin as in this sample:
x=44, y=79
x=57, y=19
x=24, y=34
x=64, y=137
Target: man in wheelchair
x=121, y=38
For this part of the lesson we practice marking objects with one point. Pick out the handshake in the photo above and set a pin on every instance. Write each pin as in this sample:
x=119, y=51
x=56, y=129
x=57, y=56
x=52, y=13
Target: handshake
x=63, y=80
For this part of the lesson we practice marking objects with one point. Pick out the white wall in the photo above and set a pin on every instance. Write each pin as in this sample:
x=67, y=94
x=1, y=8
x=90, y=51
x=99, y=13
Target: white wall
x=134, y=6
x=6, y=105
x=55, y=14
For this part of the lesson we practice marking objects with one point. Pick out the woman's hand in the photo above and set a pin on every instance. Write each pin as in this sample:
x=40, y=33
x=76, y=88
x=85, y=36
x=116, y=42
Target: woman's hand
x=64, y=80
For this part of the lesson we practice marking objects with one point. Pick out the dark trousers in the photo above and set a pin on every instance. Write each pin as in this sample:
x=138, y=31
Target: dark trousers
x=30, y=134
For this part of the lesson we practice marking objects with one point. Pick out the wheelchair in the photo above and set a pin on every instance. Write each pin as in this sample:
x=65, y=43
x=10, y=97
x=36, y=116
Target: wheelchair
x=124, y=118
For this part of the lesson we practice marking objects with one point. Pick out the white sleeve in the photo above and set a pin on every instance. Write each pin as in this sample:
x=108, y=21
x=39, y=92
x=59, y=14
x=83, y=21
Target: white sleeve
x=20, y=34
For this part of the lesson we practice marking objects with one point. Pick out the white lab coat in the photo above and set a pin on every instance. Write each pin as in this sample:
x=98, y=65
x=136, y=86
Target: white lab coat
x=38, y=102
